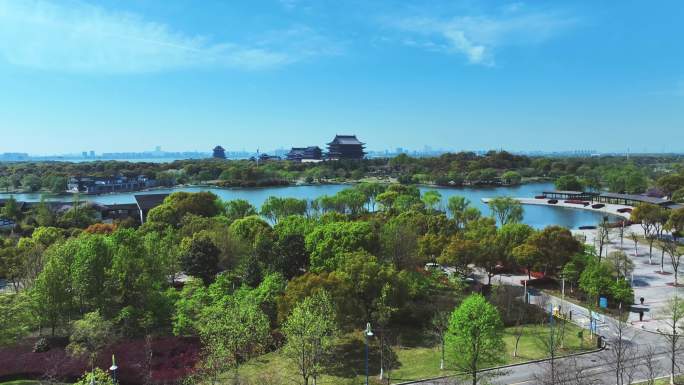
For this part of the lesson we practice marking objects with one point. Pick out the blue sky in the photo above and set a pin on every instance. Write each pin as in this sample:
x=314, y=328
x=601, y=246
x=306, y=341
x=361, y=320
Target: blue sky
x=125, y=75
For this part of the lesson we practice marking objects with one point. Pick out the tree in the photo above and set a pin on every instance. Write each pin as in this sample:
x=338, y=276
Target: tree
x=15, y=317
x=310, y=331
x=602, y=236
x=440, y=326
x=622, y=264
x=89, y=336
x=275, y=208
x=97, y=376
x=231, y=330
x=596, y=280
x=432, y=199
x=238, y=209
x=675, y=223
x=5, y=183
x=178, y=204
x=556, y=245
x=328, y=243
x=457, y=206
x=52, y=293
x=11, y=210
x=527, y=255
x=511, y=177
x=569, y=183
x=399, y=241
x=672, y=315
x=31, y=183
x=474, y=337
x=506, y=210
x=200, y=257
x=635, y=238
x=652, y=218
x=673, y=249
x=371, y=190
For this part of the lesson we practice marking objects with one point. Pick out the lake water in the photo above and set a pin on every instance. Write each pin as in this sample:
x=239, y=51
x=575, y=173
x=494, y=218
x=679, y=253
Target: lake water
x=535, y=216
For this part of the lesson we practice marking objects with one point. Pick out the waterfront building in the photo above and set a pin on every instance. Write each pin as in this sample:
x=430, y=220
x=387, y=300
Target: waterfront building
x=94, y=185
x=346, y=147
x=147, y=202
x=305, y=154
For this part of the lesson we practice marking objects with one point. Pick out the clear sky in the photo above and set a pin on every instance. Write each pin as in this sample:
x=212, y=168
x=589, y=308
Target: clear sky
x=127, y=75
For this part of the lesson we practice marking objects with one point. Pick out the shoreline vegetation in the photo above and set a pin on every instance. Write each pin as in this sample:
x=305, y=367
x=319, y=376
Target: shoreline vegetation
x=635, y=174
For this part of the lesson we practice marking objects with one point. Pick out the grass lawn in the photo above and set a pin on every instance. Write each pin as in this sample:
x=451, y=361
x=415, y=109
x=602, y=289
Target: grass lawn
x=413, y=360
x=666, y=381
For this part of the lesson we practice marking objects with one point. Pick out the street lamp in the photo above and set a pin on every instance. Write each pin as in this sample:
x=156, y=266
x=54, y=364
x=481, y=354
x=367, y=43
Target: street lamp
x=367, y=333
x=113, y=369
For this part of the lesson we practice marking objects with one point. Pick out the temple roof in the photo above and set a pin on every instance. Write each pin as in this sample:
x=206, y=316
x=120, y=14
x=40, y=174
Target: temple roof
x=346, y=140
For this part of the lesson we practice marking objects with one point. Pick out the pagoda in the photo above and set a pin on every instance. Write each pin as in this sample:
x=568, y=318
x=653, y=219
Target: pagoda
x=345, y=147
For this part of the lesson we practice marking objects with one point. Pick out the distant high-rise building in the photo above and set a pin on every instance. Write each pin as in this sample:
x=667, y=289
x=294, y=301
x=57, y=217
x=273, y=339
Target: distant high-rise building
x=92, y=153
x=346, y=147
x=157, y=149
x=85, y=154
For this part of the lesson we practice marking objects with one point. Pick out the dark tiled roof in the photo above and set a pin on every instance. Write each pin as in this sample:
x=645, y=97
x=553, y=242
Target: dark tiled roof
x=346, y=139
x=567, y=192
x=635, y=197
x=149, y=201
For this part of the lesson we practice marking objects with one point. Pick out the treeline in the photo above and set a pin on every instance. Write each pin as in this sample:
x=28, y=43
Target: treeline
x=633, y=174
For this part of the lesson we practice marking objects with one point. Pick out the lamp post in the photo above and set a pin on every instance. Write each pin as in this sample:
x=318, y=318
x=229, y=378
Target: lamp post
x=368, y=333
x=113, y=369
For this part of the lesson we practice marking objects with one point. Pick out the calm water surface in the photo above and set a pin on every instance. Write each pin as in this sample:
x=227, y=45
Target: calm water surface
x=536, y=216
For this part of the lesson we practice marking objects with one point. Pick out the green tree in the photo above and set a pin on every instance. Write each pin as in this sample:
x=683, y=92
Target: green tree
x=31, y=183
x=506, y=210
x=200, y=257
x=475, y=336
x=231, y=330
x=556, y=245
x=16, y=318
x=97, y=376
x=399, y=241
x=528, y=256
x=328, y=243
x=457, y=206
x=5, y=183
x=238, y=209
x=52, y=293
x=511, y=177
x=596, y=280
x=275, y=208
x=310, y=332
x=11, y=210
x=652, y=219
x=432, y=199
x=569, y=183
x=89, y=336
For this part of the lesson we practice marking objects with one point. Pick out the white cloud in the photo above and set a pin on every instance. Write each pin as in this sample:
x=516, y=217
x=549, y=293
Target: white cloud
x=70, y=36
x=478, y=37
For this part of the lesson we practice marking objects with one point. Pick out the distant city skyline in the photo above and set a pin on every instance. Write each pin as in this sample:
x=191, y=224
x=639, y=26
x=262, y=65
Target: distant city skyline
x=128, y=75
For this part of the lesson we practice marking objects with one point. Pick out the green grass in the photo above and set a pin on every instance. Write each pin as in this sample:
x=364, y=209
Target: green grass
x=665, y=381
x=415, y=361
